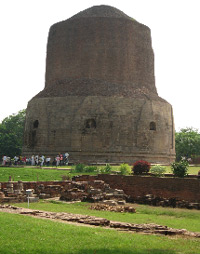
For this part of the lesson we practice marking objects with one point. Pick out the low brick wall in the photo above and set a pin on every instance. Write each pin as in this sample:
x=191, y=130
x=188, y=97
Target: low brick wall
x=180, y=188
x=33, y=185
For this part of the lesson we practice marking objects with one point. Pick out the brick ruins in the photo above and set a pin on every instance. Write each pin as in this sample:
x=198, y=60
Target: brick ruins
x=110, y=191
x=100, y=102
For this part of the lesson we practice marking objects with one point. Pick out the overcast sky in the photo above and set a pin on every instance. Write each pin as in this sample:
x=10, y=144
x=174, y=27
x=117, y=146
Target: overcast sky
x=175, y=30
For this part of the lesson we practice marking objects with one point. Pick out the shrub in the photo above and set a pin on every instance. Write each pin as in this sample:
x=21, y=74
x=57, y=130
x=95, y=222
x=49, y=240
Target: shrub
x=140, y=167
x=125, y=169
x=90, y=168
x=158, y=170
x=80, y=168
x=107, y=169
x=180, y=168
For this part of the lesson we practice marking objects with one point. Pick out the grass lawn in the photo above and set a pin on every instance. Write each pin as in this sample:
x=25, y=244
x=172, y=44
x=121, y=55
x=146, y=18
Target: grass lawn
x=171, y=217
x=38, y=174
x=193, y=170
x=33, y=174
x=22, y=234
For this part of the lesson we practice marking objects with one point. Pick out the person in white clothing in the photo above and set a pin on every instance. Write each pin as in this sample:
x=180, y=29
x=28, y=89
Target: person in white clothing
x=4, y=160
x=32, y=160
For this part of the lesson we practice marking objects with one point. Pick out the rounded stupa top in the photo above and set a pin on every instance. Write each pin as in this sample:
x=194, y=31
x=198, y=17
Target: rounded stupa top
x=103, y=11
x=100, y=51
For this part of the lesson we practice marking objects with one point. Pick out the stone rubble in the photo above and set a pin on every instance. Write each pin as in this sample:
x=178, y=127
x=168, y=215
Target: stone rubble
x=150, y=199
x=92, y=191
x=16, y=193
x=113, y=208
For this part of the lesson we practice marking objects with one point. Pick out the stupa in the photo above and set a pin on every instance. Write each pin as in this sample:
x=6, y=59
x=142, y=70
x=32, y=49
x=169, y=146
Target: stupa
x=100, y=103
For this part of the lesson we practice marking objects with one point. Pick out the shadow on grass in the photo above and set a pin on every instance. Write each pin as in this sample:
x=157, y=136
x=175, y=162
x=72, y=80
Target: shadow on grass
x=114, y=251
x=125, y=251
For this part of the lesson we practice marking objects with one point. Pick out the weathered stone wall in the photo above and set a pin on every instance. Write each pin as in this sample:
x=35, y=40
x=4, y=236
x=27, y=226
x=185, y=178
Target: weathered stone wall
x=100, y=103
x=115, y=50
x=121, y=130
x=183, y=189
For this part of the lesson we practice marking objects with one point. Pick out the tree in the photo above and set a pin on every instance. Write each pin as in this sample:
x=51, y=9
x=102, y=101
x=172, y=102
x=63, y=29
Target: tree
x=11, y=134
x=187, y=143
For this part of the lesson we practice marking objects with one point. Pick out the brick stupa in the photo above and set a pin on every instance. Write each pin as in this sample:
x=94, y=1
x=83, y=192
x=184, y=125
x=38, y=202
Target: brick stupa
x=100, y=102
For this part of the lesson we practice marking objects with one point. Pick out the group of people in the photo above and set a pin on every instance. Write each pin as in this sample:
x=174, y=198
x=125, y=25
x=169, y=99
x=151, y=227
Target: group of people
x=37, y=160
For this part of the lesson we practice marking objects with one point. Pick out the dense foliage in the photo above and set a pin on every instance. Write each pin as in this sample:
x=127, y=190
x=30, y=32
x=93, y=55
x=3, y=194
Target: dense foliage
x=158, y=170
x=79, y=167
x=187, y=143
x=180, y=168
x=140, y=167
x=125, y=169
x=11, y=134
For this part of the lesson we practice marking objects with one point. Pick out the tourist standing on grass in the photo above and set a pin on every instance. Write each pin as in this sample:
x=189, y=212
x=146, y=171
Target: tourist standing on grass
x=16, y=159
x=36, y=160
x=57, y=160
x=4, y=158
x=66, y=158
x=32, y=160
x=42, y=161
x=61, y=159
x=48, y=159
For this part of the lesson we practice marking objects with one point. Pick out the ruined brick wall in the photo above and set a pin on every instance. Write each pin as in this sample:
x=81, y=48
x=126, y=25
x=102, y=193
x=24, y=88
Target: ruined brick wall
x=33, y=185
x=183, y=189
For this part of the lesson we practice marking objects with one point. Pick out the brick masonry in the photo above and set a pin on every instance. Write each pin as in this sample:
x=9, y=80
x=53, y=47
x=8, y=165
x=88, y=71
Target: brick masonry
x=183, y=189
x=100, y=102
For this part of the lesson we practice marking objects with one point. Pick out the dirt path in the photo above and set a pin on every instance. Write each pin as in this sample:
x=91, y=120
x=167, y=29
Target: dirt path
x=92, y=221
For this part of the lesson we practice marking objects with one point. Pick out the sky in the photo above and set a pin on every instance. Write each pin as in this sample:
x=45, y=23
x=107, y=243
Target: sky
x=175, y=31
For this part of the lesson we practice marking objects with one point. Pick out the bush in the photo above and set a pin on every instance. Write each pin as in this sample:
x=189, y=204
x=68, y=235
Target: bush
x=90, y=168
x=180, y=168
x=158, y=170
x=140, y=167
x=107, y=169
x=125, y=169
x=80, y=168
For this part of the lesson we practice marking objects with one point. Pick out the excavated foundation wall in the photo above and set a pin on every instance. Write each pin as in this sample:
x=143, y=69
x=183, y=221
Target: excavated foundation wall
x=183, y=189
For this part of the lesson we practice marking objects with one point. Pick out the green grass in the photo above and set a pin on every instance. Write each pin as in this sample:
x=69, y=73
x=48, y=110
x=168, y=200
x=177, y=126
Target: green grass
x=193, y=170
x=33, y=174
x=23, y=234
x=38, y=174
x=175, y=218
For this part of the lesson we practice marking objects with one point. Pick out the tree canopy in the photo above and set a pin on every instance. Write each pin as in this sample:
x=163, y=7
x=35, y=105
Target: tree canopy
x=11, y=134
x=187, y=143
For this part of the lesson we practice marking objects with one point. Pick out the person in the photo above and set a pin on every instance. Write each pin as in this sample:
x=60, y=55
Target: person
x=66, y=158
x=24, y=160
x=8, y=161
x=41, y=160
x=32, y=160
x=61, y=159
x=36, y=160
x=48, y=159
x=16, y=159
x=57, y=160
x=4, y=158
